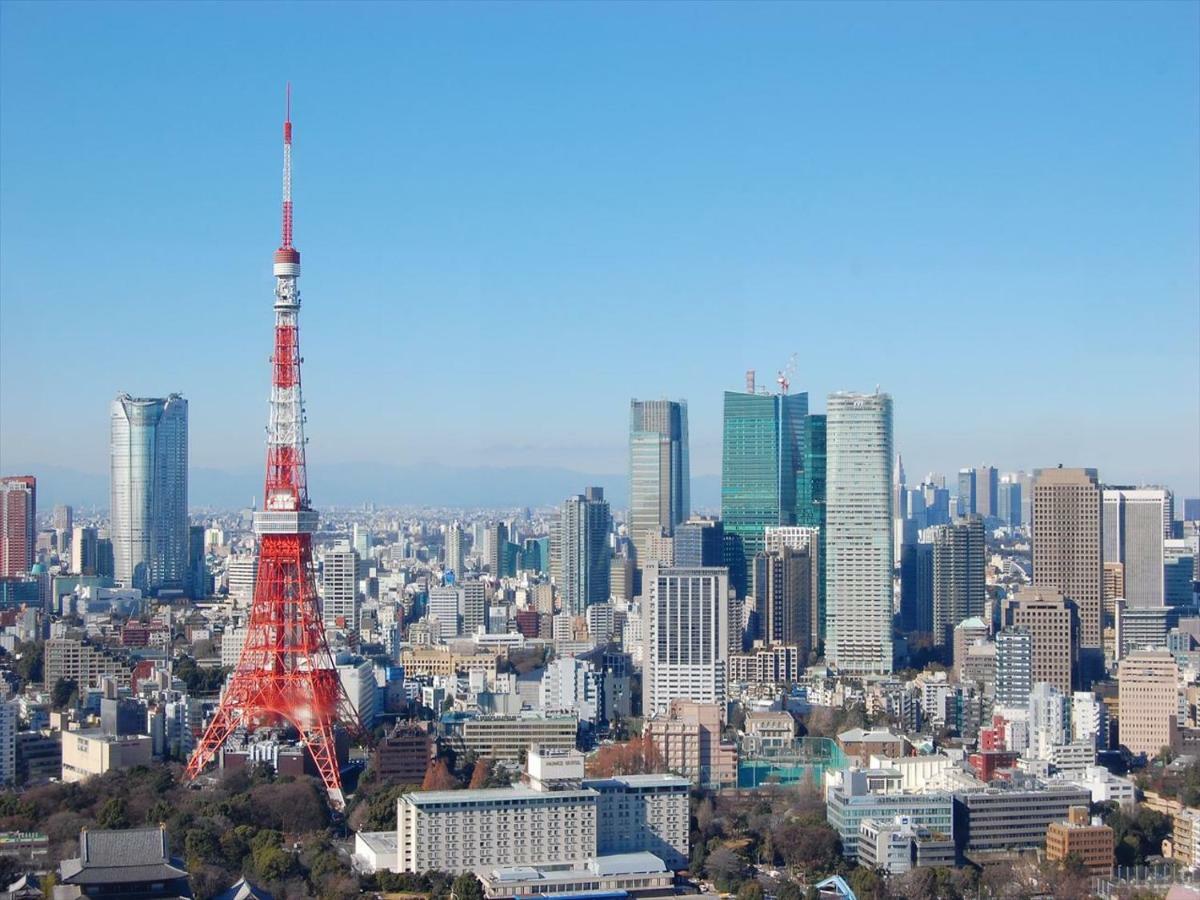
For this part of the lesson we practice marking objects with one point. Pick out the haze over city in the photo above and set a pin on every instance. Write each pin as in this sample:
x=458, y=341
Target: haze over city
x=518, y=216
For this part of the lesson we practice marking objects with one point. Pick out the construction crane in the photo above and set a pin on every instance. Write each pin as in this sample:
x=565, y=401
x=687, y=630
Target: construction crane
x=784, y=379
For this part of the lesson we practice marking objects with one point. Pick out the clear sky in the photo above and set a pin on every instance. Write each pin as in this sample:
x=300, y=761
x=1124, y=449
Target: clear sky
x=513, y=218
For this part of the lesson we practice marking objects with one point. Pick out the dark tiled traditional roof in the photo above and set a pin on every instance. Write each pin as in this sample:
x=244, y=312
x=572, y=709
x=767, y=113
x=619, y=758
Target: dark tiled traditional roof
x=129, y=855
x=243, y=890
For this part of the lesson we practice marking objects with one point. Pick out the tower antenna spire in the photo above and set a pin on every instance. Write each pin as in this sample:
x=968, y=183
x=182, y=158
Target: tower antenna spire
x=285, y=242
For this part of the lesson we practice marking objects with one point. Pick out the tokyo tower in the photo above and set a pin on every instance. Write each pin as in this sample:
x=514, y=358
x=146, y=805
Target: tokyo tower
x=285, y=674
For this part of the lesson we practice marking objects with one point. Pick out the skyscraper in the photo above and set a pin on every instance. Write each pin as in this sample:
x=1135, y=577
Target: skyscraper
x=1008, y=501
x=85, y=551
x=339, y=589
x=700, y=542
x=18, y=524
x=1133, y=536
x=916, y=588
x=497, y=544
x=959, y=582
x=771, y=472
x=784, y=588
x=455, y=557
x=967, y=497
x=986, y=492
x=659, y=472
x=1067, y=549
x=687, y=636
x=1053, y=622
x=584, y=558
x=1014, y=667
x=858, y=541
x=149, y=464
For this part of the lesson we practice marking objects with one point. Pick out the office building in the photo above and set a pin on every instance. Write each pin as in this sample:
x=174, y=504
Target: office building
x=1008, y=501
x=700, y=542
x=1113, y=590
x=1179, y=571
x=688, y=740
x=1015, y=817
x=85, y=551
x=916, y=588
x=445, y=606
x=339, y=589
x=1191, y=509
x=242, y=573
x=687, y=634
x=196, y=582
x=858, y=538
x=785, y=586
x=497, y=547
x=509, y=737
x=897, y=846
x=987, y=491
x=18, y=524
x=583, y=551
x=456, y=558
x=1139, y=628
x=968, y=502
x=771, y=472
x=472, y=604
x=88, y=753
x=1080, y=837
x=402, y=756
x=959, y=578
x=1148, y=701
x=1133, y=537
x=1053, y=624
x=148, y=504
x=659, y=473
x=643, y=814
x=1067, y=548
x=850, y=800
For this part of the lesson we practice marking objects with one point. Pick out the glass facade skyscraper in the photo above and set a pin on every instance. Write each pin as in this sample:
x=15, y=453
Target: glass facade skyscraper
x=584, y=559
x=772, y=472
x=859, y=533
x=149, y=475
x=659, y=471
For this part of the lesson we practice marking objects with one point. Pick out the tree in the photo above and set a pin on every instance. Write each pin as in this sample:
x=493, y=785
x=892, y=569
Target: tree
x=466, y=887
x=31, y=662
x=481, y=773
x=64, y=693
x=789, y=890
x=113, y=814
x=807, y=843
x=724, y=868
x=438, y=777
x=751, y=890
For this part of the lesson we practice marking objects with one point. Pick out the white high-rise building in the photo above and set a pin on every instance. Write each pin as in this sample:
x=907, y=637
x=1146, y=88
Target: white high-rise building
x=686, y=634
x=360, y=540
x=445, y=605
x=148, y=502
x=456, y=560
x=339, y=587
x=1049, y=719
x=1089, y=719
x=859, y=533
x=358, y=680
x=1132, y=533
x=572, y=685
x=242, y=573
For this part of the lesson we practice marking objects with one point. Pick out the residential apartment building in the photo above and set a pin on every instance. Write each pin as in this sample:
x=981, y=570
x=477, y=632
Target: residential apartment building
x=688, y=738
x=1148, y=701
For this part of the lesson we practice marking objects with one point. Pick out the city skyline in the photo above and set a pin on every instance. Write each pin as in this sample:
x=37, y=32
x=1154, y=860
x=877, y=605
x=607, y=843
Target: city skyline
x=175, y=170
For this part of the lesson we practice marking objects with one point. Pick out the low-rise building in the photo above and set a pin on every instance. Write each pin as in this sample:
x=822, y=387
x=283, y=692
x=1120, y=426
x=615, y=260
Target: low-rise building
x=88, y=753
x=1089, y=840
x=403, y=756
x=510, y=737
x=134, y=862
x=443, y=661
x=374, y=851
x=899, y=845
x=1002, y=819
x=623, y=874
x=862, y=743
x=769, y=731
x=851, y=797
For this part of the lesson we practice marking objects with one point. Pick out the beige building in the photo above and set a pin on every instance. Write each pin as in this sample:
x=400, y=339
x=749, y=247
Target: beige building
x=88, y=753
x=508, y=737
x=1053, y=623
x=83, y=663
x=770, y=730
x=767, y=665
x=1148, y=683
x=688, y=738
x=1066, y=544
x=443, y=661
x=1090, y=841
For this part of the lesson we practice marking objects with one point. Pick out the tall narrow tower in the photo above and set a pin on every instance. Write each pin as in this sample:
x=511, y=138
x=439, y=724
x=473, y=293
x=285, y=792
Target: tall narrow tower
x=285, y=673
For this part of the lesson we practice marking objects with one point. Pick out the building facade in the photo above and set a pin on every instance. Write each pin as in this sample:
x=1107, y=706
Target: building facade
x=687, y=637
x=583, y=552
x=659, y=469
x=149, y=479
x=18, y=524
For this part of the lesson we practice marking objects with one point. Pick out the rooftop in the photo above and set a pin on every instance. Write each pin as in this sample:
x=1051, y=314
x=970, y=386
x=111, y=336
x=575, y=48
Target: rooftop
x=130, y=855
x=491, y=795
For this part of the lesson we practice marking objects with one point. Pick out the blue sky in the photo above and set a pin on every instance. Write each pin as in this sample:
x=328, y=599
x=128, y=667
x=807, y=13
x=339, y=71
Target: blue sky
x=516, y=217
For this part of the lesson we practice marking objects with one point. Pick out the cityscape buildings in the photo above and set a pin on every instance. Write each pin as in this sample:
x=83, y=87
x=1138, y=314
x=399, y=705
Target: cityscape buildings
x=18, y=524
x=583, y=552
x=659, y=469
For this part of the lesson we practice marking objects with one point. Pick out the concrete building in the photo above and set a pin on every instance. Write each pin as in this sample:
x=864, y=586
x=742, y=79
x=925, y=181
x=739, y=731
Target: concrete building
x=84, y=663
x=858, y=539
x=88, y=753
x=581, y=551
x=897, y=846
x=1067, y=549
x=785, y=586
x=1002, y=819
x=643, y=813
x=688, y=738
x=1133, y=536
x=148, y=503
x=958, y=575
x=916, y=588
x=966, y=633
x=404, y=753
x=456, y=556
x=659, y=470
x=1014, y=667
x=339, y=589
x=443, y=661
x=242, y=573
x=1088, y=840
x=687, y=637
x=445, y=606
x=766, y=665
x=10, y=715
x=510, y=737
x=1148, y=703
x=850, y=801
x=18, y=524
x=862, y=743
x=616, y=875
x=1053, y=624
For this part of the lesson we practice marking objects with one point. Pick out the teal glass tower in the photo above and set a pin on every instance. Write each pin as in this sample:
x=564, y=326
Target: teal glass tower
x=772, y=472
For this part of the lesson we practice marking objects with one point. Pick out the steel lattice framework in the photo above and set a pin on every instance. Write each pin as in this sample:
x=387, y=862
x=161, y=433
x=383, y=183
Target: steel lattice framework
x=285, y=672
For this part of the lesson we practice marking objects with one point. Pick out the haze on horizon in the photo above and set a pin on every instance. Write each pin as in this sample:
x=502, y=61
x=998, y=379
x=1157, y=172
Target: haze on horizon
x=514, y=218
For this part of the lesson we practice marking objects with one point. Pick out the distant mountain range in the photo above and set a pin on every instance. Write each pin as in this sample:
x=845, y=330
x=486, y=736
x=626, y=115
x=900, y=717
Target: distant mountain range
x=352, y=484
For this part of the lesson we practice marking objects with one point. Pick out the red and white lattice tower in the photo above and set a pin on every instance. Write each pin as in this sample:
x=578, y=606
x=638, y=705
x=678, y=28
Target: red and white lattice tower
x=285, y=673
